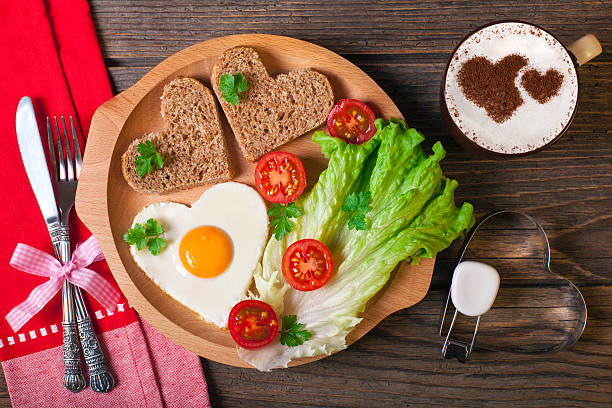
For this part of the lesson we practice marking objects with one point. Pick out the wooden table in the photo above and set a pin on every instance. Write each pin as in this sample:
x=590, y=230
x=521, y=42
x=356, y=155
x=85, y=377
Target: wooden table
x=404, y=46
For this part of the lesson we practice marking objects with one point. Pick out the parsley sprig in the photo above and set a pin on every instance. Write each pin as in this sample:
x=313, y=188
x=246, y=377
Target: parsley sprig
x=293, y=333
x=280, y=216
x=231, y=86
x=149, y=157
x=146, y=235
x=358, y=205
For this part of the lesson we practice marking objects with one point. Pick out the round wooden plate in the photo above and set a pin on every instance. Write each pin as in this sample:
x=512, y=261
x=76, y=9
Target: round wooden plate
x=108, y=205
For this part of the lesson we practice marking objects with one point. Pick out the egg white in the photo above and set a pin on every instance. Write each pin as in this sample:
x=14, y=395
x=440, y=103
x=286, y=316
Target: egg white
x=236, y=209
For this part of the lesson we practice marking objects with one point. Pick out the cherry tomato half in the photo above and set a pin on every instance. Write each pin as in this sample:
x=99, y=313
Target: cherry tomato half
x=252, y=323
x=280, y=177
x=352, y=121
x=307, y=264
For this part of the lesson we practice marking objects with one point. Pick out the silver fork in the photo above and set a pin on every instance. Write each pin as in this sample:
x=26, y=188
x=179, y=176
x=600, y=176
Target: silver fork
x=66, y=175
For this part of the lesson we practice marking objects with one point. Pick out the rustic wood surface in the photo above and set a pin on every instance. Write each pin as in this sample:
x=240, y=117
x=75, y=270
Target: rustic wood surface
x=403, y=46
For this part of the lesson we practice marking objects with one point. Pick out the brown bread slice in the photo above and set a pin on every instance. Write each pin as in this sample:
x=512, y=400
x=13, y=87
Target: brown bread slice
x=272, y=111
x=192, y=144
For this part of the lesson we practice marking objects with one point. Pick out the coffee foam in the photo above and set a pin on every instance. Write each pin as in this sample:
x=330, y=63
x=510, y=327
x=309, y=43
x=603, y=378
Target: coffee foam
x=533, y=124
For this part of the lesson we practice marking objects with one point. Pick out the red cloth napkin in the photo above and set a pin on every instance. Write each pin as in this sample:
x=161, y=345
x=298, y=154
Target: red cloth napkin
x=50, y=52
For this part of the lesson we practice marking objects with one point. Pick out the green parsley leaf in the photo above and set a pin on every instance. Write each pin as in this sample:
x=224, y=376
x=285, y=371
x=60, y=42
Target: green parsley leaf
x=276, y=210
x=146, y=235
x=158, y=161
x=231, y=86
x=148, y=158
x=293, y=211
x=358, y=205
x=282, y=226
x=146, y=149
x=240, y=83
x=288, y=321
x=231, y=98
x=143, y=166
x=226, y=83
x=136, y=236
x=155, y=245
x=358, y=222
x=152, y=227
x=280, y=218
x=293, y=333
x=350, y=203
x=364, y=201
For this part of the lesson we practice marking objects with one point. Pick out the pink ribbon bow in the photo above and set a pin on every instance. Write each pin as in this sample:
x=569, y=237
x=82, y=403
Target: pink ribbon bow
x=31, y=260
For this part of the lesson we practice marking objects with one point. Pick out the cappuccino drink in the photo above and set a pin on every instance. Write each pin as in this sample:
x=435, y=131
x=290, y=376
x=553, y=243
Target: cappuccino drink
x=511, y=88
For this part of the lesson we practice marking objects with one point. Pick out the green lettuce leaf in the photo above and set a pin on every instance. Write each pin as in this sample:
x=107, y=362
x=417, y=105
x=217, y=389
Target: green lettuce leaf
x=412, y=214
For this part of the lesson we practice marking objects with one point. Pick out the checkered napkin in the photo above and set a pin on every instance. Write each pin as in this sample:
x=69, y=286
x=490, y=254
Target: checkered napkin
x=50, y=52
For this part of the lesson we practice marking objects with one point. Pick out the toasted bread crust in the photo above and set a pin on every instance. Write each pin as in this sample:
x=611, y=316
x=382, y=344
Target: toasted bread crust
x=192, y=144
x=272, y=111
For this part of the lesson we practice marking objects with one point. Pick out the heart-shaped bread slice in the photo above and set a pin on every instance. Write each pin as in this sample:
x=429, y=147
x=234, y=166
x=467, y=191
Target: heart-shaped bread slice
x=192, y=144
x=272, y=111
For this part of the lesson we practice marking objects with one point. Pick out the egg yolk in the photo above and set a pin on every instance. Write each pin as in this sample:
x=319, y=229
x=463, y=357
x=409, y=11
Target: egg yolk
x=206, y=251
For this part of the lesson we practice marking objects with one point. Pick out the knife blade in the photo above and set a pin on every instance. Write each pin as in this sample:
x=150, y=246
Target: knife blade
x=34, y=160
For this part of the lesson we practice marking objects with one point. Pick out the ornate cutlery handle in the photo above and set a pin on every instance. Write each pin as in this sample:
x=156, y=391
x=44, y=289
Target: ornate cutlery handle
x=99, y=377
x=73, y=377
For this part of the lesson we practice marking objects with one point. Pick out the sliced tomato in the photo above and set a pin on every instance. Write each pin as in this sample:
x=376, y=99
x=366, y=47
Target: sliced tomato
x=252, y=323
x=351, y=120
x=307, y=264
x=280, y=177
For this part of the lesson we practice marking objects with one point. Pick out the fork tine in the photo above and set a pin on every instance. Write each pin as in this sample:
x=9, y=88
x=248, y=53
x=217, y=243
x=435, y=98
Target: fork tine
x=51, y=150
x=68, y=153
x=60, y=152
x=77, y=149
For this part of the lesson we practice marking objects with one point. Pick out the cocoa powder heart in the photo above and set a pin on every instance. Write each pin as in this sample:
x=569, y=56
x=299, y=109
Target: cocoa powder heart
x=542, y=87
x=491, y=86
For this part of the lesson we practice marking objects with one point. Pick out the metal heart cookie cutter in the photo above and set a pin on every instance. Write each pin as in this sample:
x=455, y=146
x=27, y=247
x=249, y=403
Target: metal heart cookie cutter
x=473, y=291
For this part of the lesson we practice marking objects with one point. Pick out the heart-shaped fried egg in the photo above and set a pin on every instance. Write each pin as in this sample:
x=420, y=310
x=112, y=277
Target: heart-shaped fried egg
x=212, y=248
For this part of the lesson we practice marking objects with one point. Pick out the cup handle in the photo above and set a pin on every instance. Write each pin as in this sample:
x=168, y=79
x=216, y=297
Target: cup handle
x=585, y=48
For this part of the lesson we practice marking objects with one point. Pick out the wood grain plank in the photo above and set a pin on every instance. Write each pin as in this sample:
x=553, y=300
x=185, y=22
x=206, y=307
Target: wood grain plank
x=403, y=46
x=361, y=27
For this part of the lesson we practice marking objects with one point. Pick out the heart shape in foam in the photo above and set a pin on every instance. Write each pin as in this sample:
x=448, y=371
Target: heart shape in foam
x=273, y=110
x=542, y=87
x=491, y=86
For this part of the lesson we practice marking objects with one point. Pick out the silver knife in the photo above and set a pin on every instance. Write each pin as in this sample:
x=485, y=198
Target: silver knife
x=34, y=160
x=35, y=164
